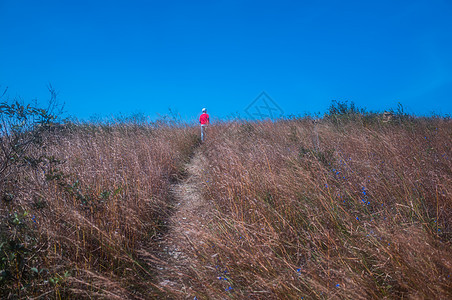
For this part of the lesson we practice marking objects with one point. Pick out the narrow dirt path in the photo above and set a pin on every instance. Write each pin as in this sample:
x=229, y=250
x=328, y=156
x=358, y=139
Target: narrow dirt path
x=186, y=229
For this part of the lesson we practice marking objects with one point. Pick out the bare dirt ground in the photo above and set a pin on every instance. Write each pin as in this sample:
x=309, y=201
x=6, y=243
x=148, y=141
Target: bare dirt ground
x=188, y=224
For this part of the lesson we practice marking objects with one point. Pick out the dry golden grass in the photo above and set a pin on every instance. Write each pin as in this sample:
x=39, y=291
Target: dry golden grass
x=355, y=211
x=338, y=209
x=97, y=209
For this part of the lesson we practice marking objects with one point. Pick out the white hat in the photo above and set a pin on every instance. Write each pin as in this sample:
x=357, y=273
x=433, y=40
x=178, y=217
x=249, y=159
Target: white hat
x=204, y=110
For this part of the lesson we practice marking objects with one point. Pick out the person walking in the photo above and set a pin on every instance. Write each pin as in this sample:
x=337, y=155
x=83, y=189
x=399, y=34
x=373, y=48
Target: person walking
x=204, y=121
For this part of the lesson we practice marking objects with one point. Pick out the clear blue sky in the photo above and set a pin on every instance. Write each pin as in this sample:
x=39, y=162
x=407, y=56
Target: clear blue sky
x=106, y=57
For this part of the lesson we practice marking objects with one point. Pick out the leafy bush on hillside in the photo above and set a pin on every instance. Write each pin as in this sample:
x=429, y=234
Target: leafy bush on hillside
x=23, y=134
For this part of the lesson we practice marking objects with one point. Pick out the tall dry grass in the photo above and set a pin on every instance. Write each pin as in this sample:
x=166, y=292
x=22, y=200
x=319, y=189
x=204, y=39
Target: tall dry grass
x=90, y=215
x=342, y=208
x=358, y=209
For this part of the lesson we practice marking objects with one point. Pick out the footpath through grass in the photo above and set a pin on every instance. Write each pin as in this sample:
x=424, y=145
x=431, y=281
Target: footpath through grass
x=351, y=206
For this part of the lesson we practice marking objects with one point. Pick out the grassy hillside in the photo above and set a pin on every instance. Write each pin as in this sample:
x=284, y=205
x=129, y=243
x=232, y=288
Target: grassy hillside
x=347, y=207
x=82, y=218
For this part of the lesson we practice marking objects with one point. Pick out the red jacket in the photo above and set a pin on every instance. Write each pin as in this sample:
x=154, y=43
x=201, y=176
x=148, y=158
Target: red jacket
x=204, y=119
